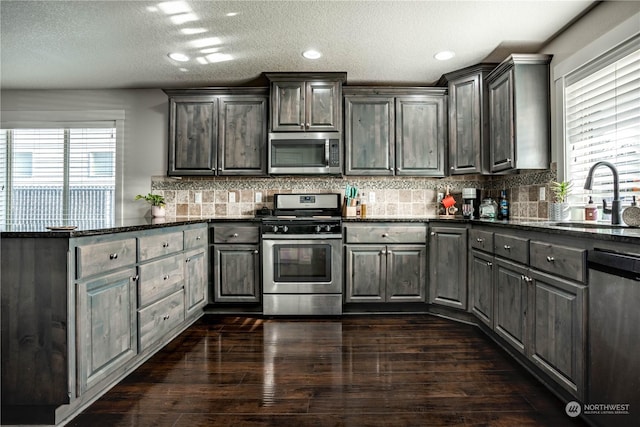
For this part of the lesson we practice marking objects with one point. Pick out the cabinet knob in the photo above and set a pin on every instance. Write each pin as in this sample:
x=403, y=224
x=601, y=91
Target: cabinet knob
x=213, y=169
x=507, y=247
x=479, y=240
x=489, y=264
x=187, y=260
x=302, y=126
x=165, y=245
x=113, y=256
x=389, y=252
x=234, y=235
x=198, y=237
x=255, y=251
x=135, y=278
x=166, y=277
x=385, y=234
x=550, y=259
x=452, y=168
x=383, y=252
x=433, y=233
x=166, y=317
x=508, y=160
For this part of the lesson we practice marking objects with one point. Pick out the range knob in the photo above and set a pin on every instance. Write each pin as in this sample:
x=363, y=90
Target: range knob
x=275, y=228
x=285, y=228
x=318, y=228
x=327, y=228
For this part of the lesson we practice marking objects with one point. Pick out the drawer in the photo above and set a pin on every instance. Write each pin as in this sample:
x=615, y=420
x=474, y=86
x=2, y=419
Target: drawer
x=103, y=257
x=156, y=320
x=195, y=238
x=150, y=247
x=559, y=260
x=387, y=234
x=236, y=234
x=159, y=278
x=511, y=247
x=483, y=240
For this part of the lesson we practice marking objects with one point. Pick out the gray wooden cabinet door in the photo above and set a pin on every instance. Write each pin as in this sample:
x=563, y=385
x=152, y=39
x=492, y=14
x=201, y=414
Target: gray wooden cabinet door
x=236, y=273
x=369, y=135
x=106, y=327
x=242, y=135
x=366, y=268
x=192, y=137
x=465, y=125
x=421, y=136
x=323, y=101
x=195, y=282
x=288, y=112
x=406, y=273
x=510, y=306
x=501, y=111
x=481, y=286
x=558, y=330
x=448, y=266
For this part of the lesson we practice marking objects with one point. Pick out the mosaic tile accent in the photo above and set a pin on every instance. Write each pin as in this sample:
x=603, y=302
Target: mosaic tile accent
x=394, y=196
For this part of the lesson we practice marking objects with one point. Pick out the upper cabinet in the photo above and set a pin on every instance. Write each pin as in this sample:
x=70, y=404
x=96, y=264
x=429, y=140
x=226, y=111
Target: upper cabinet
x=306, y=102
x=395, y=131
x=519, y=113
x=468, y=119
x=217, y=131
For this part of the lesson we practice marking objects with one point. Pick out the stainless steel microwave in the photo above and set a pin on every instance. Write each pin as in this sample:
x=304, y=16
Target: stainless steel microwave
x=305, y=153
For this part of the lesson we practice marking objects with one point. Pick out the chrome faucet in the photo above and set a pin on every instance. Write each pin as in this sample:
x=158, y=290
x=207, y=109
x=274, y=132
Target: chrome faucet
x=615, y=205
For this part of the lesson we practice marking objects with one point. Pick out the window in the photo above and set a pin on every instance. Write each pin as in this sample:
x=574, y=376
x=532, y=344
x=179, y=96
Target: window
x=602, y=122
x=57, y=176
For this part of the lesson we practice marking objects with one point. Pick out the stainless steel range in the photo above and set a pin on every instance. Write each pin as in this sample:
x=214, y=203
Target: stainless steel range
x=302, y=256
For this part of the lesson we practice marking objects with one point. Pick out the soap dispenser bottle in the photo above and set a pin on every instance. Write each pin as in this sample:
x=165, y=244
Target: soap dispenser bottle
x=590, y=211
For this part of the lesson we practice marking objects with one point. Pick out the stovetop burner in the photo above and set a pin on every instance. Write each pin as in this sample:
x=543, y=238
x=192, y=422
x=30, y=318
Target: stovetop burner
x=304, y=214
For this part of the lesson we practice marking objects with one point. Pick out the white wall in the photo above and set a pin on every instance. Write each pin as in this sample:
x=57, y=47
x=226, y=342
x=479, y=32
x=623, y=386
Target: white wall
x=145, y=129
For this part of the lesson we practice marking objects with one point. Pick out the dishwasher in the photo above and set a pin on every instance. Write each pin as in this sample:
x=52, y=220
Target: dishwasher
x=613, y=397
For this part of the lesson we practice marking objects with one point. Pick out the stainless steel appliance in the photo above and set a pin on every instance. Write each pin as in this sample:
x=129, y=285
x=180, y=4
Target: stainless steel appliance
x=310, y=153
x=302, y=256
x=614, y=319
x=471, y=203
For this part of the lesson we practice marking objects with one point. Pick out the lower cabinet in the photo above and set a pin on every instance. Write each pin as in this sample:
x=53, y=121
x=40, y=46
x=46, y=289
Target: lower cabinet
x=388, y=273
x=385, y=262
x=195, y=280
x=448, y=266
x=106, y=326
x=235, y=262
x=510, y=304
x=481, y=268
x=558, y=336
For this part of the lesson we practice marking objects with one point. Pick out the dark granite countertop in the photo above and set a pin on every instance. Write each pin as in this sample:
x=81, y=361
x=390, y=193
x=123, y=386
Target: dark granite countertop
x=39, y=228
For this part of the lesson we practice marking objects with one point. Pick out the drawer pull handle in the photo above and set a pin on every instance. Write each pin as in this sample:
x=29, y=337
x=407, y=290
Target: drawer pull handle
x=165, y=245
x=113, y=256
x=165, y=317
x=385, y=234
x=166, y=277
x=198, y=237
x=479, y=240
x=507, y=247
x=550, y=259
x=235, y=235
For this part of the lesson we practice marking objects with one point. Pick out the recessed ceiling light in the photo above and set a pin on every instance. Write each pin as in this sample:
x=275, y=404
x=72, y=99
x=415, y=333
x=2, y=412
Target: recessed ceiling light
x=311, y=54
x=180, y=57
x=444, y=55
x=232, y=13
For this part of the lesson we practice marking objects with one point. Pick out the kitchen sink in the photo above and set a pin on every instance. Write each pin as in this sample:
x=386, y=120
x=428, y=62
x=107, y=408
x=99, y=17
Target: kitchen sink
x=581, y=224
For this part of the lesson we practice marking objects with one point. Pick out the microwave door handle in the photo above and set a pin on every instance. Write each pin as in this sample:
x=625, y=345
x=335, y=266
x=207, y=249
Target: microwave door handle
x=326, y=152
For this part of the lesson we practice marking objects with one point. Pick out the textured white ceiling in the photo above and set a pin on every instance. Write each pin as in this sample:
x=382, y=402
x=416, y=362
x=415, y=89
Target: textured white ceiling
x=122, y=44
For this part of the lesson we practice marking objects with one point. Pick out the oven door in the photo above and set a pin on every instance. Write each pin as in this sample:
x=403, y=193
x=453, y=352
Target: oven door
x=299, y=265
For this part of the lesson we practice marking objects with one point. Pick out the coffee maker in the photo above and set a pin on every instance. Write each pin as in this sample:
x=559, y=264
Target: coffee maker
x=471, y=203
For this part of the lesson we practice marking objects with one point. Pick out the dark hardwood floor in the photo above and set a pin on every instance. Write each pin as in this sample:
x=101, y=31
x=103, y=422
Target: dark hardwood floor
x=409, y=370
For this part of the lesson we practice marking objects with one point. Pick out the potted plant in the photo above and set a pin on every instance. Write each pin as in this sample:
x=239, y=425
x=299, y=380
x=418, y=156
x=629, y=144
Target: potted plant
x=157, y=203
x=559, y=210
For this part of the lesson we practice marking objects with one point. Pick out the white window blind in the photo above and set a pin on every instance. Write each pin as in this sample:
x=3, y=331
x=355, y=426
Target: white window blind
x=60, y=176
x=602, y=122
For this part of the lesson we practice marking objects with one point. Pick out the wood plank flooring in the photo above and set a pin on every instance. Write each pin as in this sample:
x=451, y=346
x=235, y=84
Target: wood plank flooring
x=404, y=370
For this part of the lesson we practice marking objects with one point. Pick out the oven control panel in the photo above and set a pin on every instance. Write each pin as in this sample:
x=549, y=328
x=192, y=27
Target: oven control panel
x=300, y=227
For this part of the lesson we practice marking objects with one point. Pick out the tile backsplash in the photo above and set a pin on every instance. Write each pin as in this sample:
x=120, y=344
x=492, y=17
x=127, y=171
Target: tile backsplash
x=394, y=196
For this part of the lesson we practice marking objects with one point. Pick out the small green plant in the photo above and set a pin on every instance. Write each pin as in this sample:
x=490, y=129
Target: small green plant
x=561, y=190
x=152, y=199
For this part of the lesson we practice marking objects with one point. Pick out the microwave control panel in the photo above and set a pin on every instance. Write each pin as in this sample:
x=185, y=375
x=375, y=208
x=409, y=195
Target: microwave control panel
x=334, y=154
